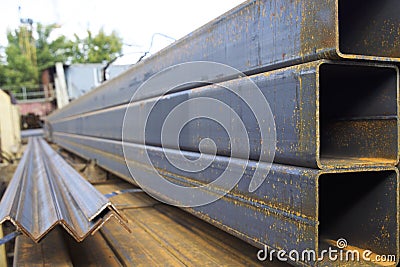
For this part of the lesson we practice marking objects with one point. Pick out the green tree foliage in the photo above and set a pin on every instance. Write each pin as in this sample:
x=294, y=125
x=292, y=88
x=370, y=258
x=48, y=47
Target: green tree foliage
x=2, y=69
x=20, y=68
x=29, y=53
x=97, y=48
x=51, y=51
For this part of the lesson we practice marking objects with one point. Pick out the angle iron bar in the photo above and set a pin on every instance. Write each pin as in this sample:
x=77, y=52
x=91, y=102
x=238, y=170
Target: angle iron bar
x=45, y=191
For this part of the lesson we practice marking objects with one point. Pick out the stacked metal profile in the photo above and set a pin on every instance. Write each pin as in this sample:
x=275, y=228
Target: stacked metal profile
x=45, y=192
x=335, y=108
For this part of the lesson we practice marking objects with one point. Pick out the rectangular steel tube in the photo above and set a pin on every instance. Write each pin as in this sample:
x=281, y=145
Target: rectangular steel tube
x=327, y=115
x=295, y=208
x=264, y=35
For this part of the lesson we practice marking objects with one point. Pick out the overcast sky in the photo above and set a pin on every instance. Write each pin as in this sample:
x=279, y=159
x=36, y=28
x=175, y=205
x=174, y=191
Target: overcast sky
x=135, y=21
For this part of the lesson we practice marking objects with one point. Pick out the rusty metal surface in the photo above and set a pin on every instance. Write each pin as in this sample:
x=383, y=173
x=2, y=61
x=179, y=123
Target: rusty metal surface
x=311, y=131
x=45, y=192
x=161, y=236
x=263, y=35
x=340, y=118
x=295, y=208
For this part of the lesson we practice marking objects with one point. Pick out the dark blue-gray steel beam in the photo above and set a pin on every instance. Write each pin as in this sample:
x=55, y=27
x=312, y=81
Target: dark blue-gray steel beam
x=327, y=115
x=294, y=209
x=263, y=35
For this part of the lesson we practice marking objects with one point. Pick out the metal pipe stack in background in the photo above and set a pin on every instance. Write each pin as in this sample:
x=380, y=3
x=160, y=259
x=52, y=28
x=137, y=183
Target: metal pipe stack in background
x=327, y=70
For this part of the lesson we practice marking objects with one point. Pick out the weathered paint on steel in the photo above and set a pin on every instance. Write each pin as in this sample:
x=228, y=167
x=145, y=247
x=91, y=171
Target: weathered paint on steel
x=264, y=35
x=295, y=208
x=311, y=131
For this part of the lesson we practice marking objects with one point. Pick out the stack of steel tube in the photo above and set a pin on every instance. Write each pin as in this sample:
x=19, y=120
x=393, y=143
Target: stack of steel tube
x=327, y=69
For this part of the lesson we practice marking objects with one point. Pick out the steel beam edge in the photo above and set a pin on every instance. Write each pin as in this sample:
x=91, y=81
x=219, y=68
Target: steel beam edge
x=311, y=130
x=258, y=36
x=295, y=208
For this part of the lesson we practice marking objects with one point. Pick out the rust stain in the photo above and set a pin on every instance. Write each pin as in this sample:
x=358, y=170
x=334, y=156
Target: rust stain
x=318, y=23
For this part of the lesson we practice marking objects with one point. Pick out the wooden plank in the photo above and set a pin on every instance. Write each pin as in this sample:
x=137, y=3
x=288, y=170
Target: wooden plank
x=51, y=251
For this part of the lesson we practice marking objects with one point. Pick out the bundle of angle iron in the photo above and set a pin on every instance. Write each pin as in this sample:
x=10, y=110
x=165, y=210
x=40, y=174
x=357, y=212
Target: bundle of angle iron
x=45, y=192
x=328, y=71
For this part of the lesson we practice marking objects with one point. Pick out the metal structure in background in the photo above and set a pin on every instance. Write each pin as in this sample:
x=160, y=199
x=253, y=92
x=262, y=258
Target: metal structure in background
x=264, y=35
x=295, y=208
x=311, y=131
x=45, y=191
x=82, y=78
x=34, y=94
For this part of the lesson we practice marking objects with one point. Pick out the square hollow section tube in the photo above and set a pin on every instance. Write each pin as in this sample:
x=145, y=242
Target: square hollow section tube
x=358, y=206
x=257, y=36
x=358, y=115
x=370, y=28
x=295, y=208
x=327, y=114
